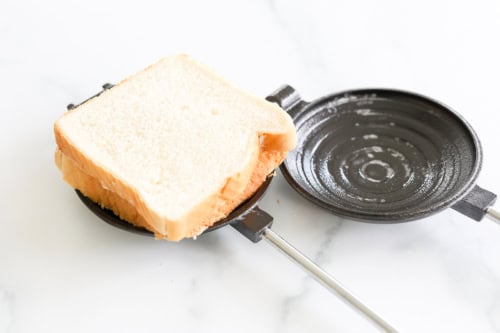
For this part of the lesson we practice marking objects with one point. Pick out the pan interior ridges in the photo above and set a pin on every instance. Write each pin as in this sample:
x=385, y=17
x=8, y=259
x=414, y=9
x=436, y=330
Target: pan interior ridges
x=373, y=156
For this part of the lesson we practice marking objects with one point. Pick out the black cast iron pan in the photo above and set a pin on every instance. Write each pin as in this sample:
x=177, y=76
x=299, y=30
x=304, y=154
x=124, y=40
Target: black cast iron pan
x=254, y=224
x=374, y=155
x=384, y=156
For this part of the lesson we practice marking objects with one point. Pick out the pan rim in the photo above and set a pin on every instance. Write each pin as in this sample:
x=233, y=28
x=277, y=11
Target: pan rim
x=390, y=217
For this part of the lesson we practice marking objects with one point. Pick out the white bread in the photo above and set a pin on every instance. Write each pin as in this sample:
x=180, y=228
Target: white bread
x=93, y=189
x=173, y=148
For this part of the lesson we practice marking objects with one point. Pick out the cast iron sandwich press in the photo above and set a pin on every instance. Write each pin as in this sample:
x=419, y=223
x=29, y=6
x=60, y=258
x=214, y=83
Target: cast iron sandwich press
x=372, y=155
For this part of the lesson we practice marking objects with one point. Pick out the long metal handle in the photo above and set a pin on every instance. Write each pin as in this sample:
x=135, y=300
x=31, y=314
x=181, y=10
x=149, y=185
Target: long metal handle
x=493, y=214
x=328, y=281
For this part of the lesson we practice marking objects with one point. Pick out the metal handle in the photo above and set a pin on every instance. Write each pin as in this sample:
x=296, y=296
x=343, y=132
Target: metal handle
x=287, y=98
x=328, y=281
x=493, y=215
x=476, y=203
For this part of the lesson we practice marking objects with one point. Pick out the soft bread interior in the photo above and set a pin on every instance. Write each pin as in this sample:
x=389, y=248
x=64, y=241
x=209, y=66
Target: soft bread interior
x=176, y=142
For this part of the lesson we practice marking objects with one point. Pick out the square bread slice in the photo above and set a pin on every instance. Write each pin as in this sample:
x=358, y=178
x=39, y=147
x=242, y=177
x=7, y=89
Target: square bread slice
x=173, y=148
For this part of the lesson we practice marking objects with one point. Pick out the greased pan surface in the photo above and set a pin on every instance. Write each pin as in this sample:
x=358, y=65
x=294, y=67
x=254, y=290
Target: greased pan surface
x=382, y=156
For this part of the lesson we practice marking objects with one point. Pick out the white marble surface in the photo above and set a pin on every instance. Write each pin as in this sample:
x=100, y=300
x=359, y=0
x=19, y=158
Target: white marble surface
x=61, y=270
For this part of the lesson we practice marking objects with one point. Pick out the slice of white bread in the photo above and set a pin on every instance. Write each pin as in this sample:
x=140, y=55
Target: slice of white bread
x=173, y=148
x=126, y=211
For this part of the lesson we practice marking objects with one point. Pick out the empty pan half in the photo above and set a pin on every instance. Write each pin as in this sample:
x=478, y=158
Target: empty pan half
x=383, y=156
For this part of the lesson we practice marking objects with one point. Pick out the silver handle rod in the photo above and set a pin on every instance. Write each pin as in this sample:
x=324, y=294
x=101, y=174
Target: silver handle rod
x=493, y=214
x=328, y=281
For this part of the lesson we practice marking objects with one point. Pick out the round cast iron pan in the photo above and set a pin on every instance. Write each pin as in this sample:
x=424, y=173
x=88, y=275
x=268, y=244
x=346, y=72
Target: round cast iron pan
x=380, y=155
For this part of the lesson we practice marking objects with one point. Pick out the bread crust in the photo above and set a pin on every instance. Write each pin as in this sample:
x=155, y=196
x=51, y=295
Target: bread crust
x=222, y=205
x=92, y=188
